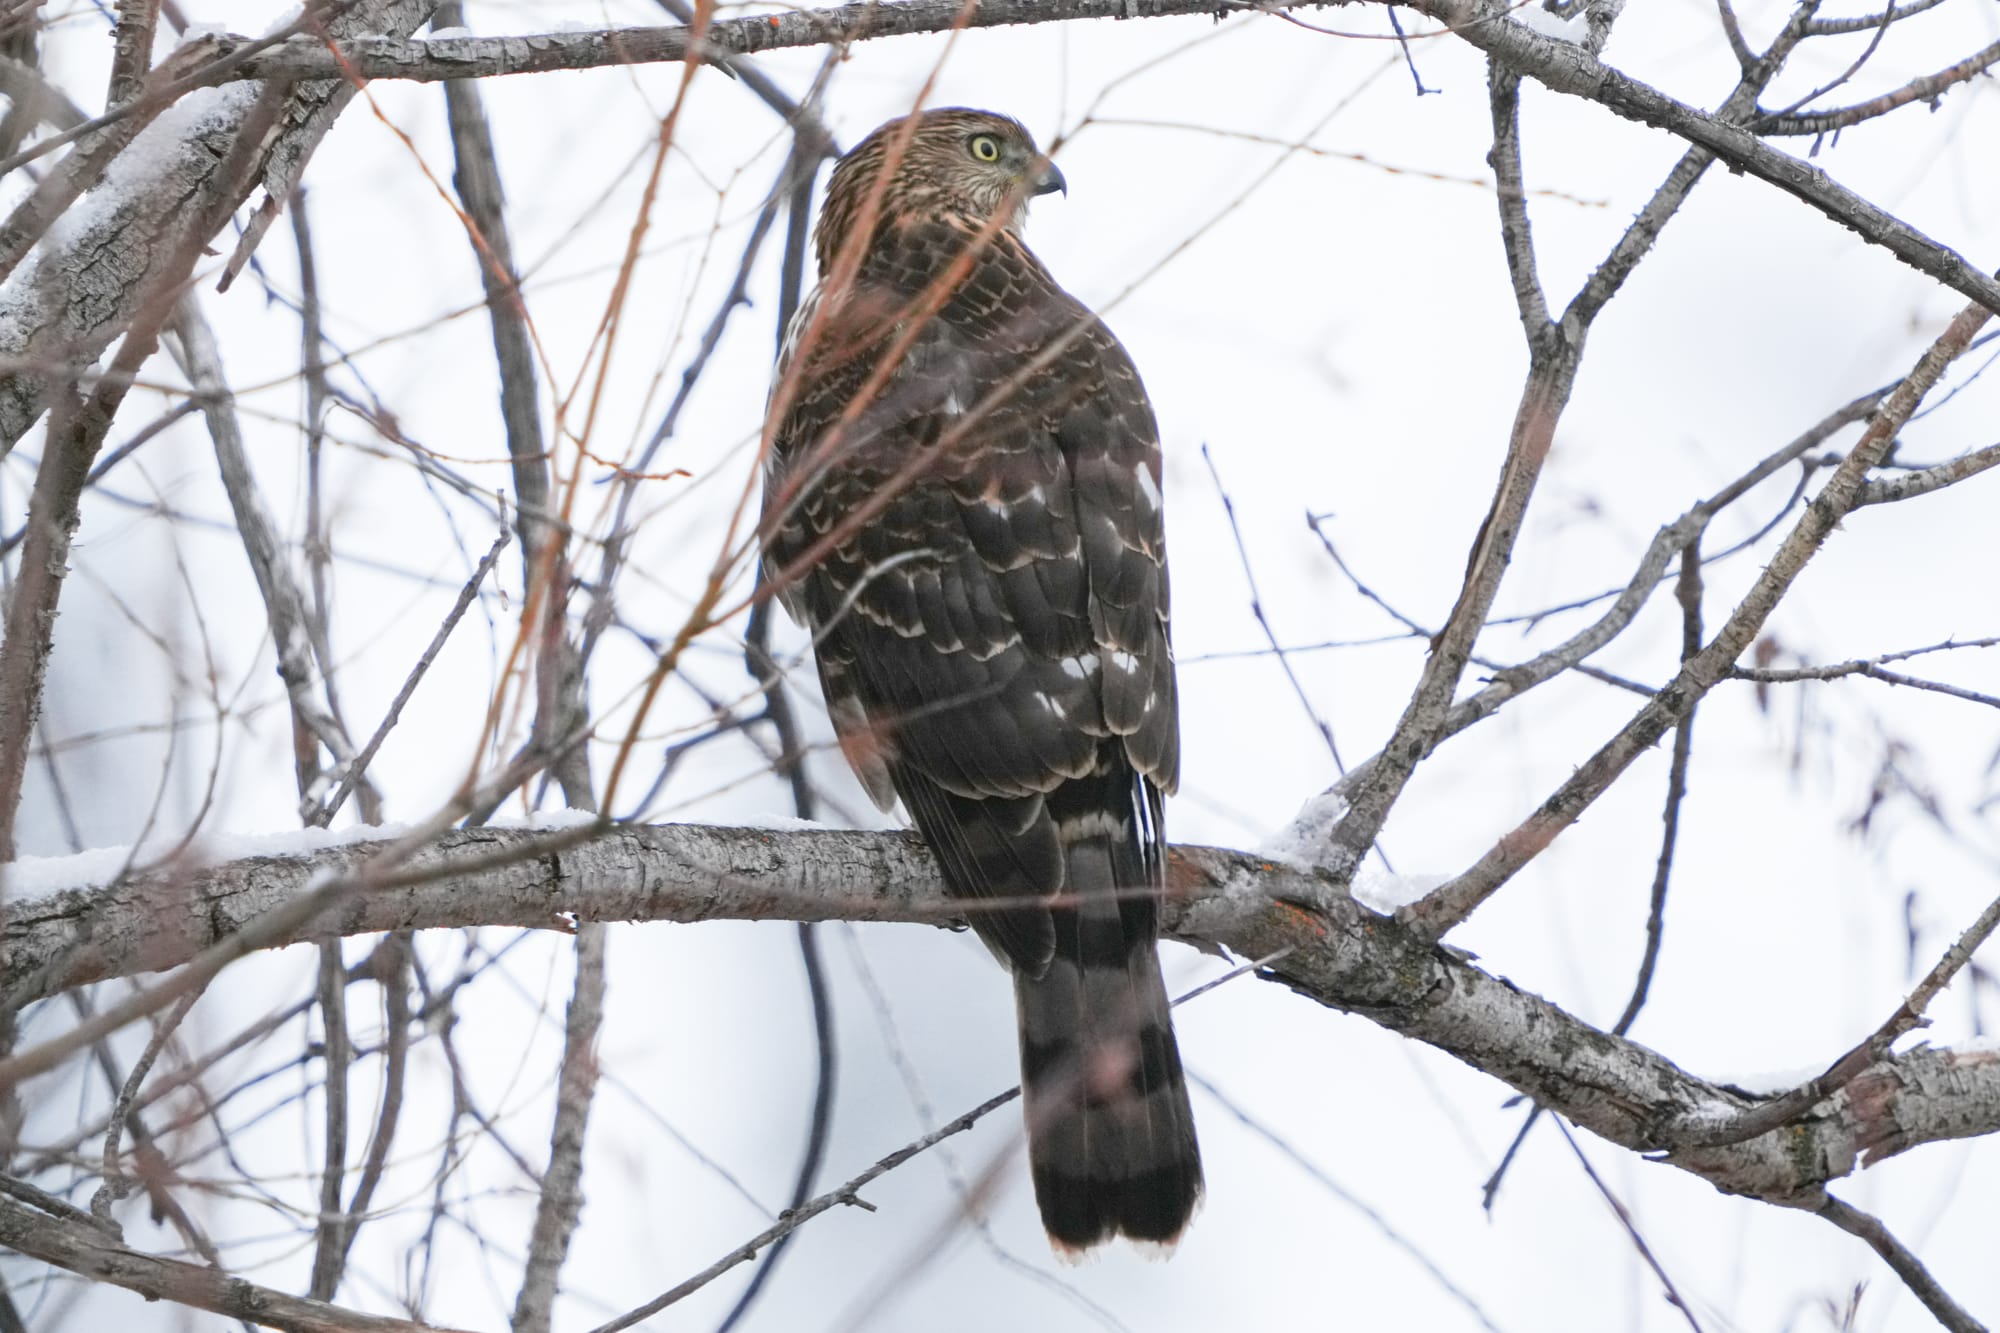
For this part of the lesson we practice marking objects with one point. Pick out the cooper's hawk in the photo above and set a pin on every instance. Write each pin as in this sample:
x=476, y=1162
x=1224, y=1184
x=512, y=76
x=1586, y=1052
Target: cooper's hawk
x=963, y=504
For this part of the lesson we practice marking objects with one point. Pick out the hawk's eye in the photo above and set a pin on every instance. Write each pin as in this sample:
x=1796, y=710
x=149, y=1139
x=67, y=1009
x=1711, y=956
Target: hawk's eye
x=985, y=147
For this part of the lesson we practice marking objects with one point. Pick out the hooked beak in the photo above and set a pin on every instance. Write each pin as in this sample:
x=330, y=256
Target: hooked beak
x=1050, y=180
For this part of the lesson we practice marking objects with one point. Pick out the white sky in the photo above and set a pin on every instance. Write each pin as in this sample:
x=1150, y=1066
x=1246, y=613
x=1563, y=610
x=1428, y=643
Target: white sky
x=1343, y=341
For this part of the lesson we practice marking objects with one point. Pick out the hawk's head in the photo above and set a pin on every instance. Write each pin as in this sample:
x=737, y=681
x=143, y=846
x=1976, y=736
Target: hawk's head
x=954, y=164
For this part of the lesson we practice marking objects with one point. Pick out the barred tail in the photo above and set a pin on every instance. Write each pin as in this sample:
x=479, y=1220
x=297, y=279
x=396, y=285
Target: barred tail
x=1110, y=1133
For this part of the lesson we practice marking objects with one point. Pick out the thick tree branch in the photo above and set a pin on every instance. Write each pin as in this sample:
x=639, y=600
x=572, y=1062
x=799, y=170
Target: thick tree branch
x=442, y=58
x=1342, y=955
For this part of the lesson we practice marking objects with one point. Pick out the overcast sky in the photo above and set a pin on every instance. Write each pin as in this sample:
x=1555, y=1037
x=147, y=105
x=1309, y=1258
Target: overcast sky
x=1338, y=334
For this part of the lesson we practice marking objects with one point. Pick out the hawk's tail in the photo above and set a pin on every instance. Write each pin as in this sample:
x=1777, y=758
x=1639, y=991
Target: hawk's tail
x=1110, y=1134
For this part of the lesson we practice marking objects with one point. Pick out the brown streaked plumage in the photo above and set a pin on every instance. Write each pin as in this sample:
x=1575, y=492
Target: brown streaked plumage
x=963, y=504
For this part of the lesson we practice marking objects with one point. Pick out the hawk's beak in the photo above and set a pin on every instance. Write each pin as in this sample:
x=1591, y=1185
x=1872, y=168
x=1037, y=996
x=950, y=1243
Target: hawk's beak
x=1049, y=180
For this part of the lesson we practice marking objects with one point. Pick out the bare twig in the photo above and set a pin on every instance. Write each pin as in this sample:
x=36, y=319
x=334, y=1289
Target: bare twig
x=1372, y=790
x=848, y=1193
x=132, y=48
x=284, y=601
x=790, y=762
x=1891, y=15
x=1451, y=903
x=1563, y=68
x=808, y=130
x=1733, y=32
x=1503, y=88
x=1868, y=670
x=90, y=1253
x=1929, y=479
x=53, y=1205
x=354, y=772
x=1325, y=1181
x=318, y=544
x=1904, y=1261
x=1677, y=781
x=290, y=920
x=1689, y=592
x=74, y=436
x=330, y=1242
x=562, y=1194
x=390, y=964
x=561, y=708
x=1674, y=1297
x=476, y=178
x=1909, y=1015
x=1555, y=351
x=115, y=1186
x=1320, y=724
x=1928, y=88
x=31, y=99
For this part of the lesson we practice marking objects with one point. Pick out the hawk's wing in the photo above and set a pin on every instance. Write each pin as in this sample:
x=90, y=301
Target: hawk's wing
x=992, y=604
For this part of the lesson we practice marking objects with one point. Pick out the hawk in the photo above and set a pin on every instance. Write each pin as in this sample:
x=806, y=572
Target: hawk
x=962, y=503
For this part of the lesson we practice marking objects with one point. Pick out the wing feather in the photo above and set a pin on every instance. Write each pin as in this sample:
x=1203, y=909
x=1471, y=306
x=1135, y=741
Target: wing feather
x=1020, y=639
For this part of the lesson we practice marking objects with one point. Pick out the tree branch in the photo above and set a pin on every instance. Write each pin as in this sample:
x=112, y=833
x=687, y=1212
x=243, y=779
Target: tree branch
x=561, y=1198
x=1342, y=955
x=1562, y=66
x=1928, y=88
x=1456, y=900
x=94, y=1254
x=1916, y=1277
x=182, y=182
x=1572, y=70
x=441, y=58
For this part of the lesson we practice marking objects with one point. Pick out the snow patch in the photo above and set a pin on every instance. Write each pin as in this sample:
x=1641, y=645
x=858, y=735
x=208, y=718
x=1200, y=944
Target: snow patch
x=1769, y=1083
x=1302, y=842
x=777, y=823
x=544, y=820
x=1384, y=892
x=31, y=878
x=1572, y=29
x=132, y=179
x=1977, y=1046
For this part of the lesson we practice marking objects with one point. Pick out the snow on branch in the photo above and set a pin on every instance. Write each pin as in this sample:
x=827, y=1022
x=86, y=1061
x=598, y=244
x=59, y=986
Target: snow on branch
x=1335, y=951
x=137, y=232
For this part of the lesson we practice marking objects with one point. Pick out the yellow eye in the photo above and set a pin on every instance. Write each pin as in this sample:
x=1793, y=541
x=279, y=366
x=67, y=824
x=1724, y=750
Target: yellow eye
x=986, y=148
